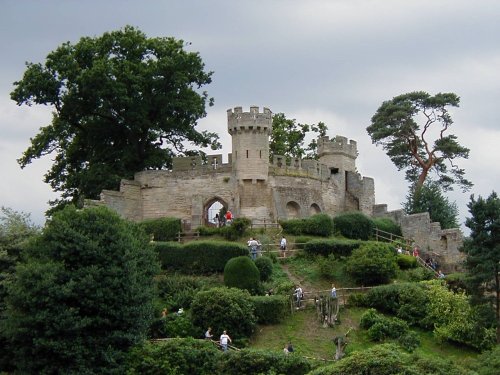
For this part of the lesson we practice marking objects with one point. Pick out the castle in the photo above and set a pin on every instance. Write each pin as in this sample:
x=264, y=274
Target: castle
x=263, y=190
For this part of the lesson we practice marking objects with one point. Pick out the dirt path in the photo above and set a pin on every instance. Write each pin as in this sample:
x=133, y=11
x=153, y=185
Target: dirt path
x=307, y=287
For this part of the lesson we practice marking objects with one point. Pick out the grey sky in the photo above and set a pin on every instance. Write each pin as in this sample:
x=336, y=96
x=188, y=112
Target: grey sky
x=334, y=61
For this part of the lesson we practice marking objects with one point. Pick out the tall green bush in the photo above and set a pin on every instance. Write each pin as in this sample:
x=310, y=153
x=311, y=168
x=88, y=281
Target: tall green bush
x=162, y=229
x=316, y=225
x=387, y=225
x=372, y=264
x=271, y=309
x=199, y=257
x=354, y=225
x=241, y=272
x=223, y=308
x=337, y=247
x=82, y=296
x=265, y=266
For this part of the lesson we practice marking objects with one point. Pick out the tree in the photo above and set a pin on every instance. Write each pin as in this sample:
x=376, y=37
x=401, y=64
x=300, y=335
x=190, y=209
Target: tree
x=82, y=296
x=411, y=147
x=372, y=264
x=121, y=103
x=288, y=137
x=431, y=199
x=16, y=229
x=482, y=250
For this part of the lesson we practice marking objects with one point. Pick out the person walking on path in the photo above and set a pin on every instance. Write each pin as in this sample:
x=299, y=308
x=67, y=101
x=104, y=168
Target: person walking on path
x=334, y=291
x=208, y=334
x=224, y=339
x=283, y=246
x=253, y=244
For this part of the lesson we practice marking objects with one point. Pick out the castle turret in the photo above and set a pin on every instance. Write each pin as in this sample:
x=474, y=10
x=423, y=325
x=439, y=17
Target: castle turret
x=250, y=133
x=338, y=153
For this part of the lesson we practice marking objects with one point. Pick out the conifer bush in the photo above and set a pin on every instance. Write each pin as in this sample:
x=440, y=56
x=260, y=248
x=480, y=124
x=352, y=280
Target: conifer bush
x=241, y=272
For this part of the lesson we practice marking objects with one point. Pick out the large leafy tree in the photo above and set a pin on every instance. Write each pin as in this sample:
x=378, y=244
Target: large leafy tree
x=121, y=103
x=82, y=294
x=413, y=130
x=288, y=138
x=483, y=251
x=430, y=199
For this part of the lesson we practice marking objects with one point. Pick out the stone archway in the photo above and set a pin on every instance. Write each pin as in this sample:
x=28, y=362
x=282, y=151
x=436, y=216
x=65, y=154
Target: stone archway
x=314, y=209
x=292, y=210
x=211, y=208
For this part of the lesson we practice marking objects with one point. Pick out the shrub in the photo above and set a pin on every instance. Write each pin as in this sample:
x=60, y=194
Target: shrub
x=258, y=362
x=271, y=309
x=387, y=225
x=236, y=230
x=200, y=257
x=354, y=225
x=162, y=229
x=409, y=341
x=371, y=264
x=265, y=266
x=241, y=272
x=419, y=274
x=300, y=241
x=380, y=327
x=357, y=300
x=336, y=247
x=176, y=356
x=316, y=225
x=175, y=325
x=406, y=261
x=222, y=309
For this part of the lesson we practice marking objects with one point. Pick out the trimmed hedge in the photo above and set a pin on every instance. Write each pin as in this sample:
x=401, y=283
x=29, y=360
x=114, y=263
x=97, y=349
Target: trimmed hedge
x=271, y=309
x=354, y=225
x=198, y=256
x=242, y=273
x=387, y=225
x=406, y=261
x=162, y=229
x=331, y=246
x=316, y=225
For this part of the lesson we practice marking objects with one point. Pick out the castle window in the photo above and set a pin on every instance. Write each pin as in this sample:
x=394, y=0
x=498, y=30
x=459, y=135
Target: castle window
x=260, y=154
x=334, y=171
x=247, y=154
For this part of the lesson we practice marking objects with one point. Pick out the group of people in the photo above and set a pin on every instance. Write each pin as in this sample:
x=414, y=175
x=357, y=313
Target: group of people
x=223, y=219
x=224, y=339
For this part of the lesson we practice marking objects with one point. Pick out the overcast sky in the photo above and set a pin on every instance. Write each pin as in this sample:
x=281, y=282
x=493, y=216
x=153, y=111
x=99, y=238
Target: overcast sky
x=334, y=61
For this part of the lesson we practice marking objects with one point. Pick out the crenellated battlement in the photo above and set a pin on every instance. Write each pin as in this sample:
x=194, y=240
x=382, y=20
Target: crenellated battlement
x=237, y=120
x=337, y=146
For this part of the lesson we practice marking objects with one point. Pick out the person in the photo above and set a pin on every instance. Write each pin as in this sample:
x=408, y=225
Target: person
x=216, y=220
x=441, y=274
x=253, y=244
x=298, y=295
x=399, y=249
x=224, y=339
x=283, y=246
x=208, y=334
x=415, y=251
x=229, y=217
x=164, y=313
x=290, y=347
x=334, y=291
x=285, y=349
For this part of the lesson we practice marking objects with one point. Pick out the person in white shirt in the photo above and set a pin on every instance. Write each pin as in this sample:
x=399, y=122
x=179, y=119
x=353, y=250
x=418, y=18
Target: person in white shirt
x=224, y=339
x=283, y=246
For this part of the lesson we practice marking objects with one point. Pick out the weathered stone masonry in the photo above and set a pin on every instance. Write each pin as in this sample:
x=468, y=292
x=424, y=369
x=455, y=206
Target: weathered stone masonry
x=252, y=186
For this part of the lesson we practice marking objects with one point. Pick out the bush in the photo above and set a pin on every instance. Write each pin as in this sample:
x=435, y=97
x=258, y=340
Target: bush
x=387, y=225
x=406, y=261
x=300, y=241
x=316, y=225
x=271, y=309
x=175, y=325
x=336, y=247
x=371, y=264
x=419, y=274
x=222, y=309
x=357, y=300
x=380, y=327
x=354, y=225
x=241, y=272
x=162, y=229
x=236, y=230
x=265, y=266
x=199, y=257
x=409, y=341
x=259, y=362
x=172, y=357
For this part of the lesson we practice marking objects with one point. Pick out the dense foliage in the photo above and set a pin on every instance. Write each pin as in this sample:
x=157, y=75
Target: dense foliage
x=431, y=199
x=271, y=309
x=265, y=266
x=387, y=225
x=121, y=103
x=354, y=225
x=222, y=309
x=411, y=147
x=483, y=252
x=162, y=229
x=373, y=263
x=336, y=247
x=82, y=294
x=316, y=225
x=198, y=256
x=241, y=272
